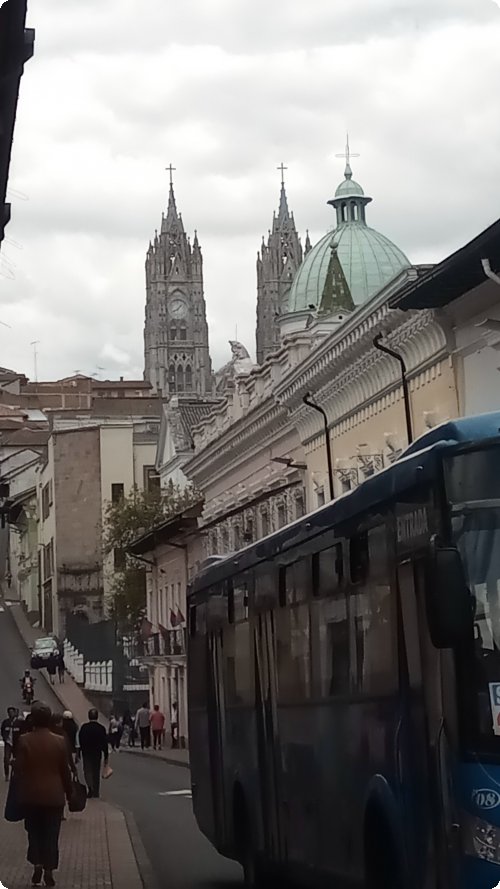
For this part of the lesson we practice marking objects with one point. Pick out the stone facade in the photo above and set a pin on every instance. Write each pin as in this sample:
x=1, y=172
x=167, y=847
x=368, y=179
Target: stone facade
x=176, y=350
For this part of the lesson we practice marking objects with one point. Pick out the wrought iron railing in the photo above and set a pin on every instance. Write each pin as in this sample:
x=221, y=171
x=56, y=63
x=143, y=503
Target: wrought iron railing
x=170, y=643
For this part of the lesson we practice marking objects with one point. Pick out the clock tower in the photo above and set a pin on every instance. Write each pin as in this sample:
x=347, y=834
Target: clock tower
x=176, y=351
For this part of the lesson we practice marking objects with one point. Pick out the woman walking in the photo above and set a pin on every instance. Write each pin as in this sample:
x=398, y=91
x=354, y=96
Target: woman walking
x=114, y=733
x=44, y=778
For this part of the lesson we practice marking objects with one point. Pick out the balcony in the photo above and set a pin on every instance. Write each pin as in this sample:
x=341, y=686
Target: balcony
x=169, y=644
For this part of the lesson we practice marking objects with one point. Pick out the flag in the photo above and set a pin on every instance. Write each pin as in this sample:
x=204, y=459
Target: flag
x=173, y=618
x=180, y=617
x=146, y=628
x=163, y=630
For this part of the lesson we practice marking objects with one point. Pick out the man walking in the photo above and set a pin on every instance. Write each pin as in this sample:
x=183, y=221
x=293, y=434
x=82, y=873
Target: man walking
x=10, y=728
x=157, y=727
x=142, y=721
x=93, y=744
x=174, y=724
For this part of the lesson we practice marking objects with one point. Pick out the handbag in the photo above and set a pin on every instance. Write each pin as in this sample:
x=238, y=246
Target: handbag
x=14, y=811
x=78, y=798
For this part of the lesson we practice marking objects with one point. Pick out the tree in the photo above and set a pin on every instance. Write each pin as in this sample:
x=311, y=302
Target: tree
x=125, y=521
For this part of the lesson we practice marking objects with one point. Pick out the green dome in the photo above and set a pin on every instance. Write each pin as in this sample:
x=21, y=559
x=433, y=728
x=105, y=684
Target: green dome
x=368, y=259
x=350, y=264
x=349, y=187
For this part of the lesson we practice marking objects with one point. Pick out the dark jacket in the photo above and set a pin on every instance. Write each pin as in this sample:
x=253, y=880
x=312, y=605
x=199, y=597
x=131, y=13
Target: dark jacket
x=71, y=732
x=42, y=769
x=93, y=740
x=10, y=731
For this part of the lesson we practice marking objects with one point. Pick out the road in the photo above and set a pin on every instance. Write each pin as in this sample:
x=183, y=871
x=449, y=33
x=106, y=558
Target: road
x=179, y=854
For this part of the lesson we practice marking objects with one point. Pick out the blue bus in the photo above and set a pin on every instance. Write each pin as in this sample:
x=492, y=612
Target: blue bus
x=344, y=681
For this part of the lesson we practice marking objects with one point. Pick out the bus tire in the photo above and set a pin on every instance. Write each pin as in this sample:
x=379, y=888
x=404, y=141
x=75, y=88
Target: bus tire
x=383, y=867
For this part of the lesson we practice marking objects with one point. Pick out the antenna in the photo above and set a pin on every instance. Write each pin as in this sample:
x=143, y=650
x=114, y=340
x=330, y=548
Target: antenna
x=35, y=343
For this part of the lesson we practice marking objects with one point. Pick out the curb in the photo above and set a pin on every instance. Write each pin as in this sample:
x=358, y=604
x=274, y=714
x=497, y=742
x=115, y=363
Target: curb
x=124, y=867
x=142, y=858
x=168, y=760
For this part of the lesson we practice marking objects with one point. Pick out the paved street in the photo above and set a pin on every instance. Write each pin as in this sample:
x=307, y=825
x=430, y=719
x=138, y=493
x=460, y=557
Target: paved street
x=151, y=790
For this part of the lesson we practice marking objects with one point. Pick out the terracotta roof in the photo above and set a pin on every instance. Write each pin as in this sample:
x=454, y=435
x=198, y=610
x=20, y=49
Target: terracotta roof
x=192, y=413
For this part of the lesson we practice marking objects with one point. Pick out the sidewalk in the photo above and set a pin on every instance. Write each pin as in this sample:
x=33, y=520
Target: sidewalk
x=72, y=698
x=173, y=757
x=69, y=693
x=96, y=851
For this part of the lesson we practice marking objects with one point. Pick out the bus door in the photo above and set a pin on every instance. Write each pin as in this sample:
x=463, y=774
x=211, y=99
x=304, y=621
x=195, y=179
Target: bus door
x=421, y=737
x=217, y=729
x=267, y=732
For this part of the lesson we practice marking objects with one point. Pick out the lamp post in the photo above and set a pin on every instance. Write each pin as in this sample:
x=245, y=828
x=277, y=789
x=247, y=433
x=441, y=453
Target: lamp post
x=307, y=399
x=406, y=392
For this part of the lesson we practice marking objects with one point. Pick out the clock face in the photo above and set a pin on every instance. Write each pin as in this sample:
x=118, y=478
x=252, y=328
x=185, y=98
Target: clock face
x=178, y=308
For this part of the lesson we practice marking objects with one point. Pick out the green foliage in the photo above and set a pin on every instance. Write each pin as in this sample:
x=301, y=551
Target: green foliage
x=124, y=522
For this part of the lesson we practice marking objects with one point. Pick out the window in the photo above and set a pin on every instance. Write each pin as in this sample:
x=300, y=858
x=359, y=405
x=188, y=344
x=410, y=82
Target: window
x=171, y=378
x=238, y=664
x=297, y=582
x=117, y=492
x=300, y=506
x=281, y=515
x=358, y=558
x=249, y=530
x=173, y=332
x=119, y=559
x=346, y=485
x=189, y=378
x=293, y=654
x=151, y=480
x=46, y=500
x=183, y=334
x=320, y=496
x=237, y=537
x=328, y=570
x=48, y=560
x=264, y=518
x=180, y=378
x=374, y=661
x=331, y=645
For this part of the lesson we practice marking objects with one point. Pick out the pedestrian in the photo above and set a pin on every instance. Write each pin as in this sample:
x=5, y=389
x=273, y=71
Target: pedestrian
x=114, y=732
x=157, y=721
x=52, y=669
x=71, y=731
x=61, y=667
x=142, y=724
x=9, y=729
x=93, y=744
x=42, y=770
x=174, y=724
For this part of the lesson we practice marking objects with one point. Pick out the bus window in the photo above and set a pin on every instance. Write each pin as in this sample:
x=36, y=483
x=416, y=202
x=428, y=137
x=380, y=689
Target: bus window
x=297, y=582
x=237, y=647
x=373, y=610
x=294, y=657
x=198, y=656
x=328, y=570
x=358, y=558
x=331, y=646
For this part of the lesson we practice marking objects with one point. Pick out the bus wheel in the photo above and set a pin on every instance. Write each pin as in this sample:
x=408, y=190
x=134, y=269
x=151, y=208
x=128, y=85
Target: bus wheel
x=382, y=863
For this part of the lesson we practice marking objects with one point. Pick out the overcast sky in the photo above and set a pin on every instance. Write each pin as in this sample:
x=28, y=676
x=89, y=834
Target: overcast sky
x=226, y=90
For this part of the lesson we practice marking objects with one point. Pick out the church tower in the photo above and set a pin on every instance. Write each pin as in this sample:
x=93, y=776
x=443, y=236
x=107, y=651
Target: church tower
x=176, y=351
x=277, y=264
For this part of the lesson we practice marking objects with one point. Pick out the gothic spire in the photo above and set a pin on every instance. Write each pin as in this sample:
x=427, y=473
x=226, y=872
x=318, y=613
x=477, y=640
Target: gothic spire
x=173, y=219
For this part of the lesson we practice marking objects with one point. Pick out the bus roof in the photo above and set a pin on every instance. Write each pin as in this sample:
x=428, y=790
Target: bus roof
x=417, y=465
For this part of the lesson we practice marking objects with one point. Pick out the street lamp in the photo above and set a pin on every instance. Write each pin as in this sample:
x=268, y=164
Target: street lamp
x=307, y=399
x=406, y=392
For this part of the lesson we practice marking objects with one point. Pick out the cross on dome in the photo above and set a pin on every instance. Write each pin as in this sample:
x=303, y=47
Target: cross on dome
x=347, y=155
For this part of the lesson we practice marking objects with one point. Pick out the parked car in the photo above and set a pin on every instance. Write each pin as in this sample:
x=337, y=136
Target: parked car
x=44, y=650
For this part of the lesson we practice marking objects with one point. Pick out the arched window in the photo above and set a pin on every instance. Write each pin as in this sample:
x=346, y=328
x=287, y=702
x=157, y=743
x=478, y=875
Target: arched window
x=183, y=333
x=188, y=378
x=344, y=212
x=180, y=378
x=173, y=332
x=354, y=212
x=171, y=378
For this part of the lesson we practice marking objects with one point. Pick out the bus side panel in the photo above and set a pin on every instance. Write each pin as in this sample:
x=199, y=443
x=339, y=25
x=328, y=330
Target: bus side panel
x=201, y=780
